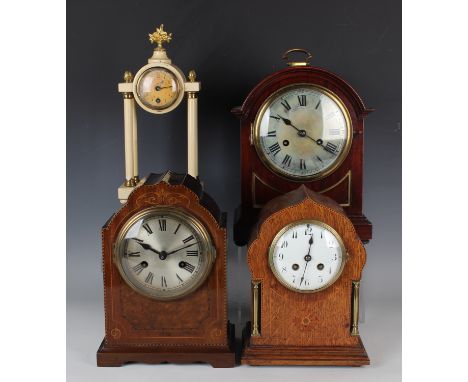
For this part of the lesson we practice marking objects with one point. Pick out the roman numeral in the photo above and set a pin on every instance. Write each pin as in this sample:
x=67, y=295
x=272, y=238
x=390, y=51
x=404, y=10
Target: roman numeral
x=318, y=104
x=274, y=149
x=281, y=256
x=294, y=235
x=133, y=254
x=149, y=278
x=189, y=267
x=283, y=269
x=192, y=253
x=139, y=268
x=162, y=224
x=320, y=159
x=302, y=164
x=272, y=116
x=330, y=147
x=286, y=105
x=147, y=228
x=177, y=229
x=187, y=239
x=163, y=282
x=302, y=100
x=180, y=280
x=285, y=244
x=287, y=160
x=271, y=133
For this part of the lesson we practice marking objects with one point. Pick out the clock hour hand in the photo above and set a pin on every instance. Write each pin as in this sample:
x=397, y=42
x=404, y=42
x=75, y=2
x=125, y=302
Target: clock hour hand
x=180, y=249
x=288, y=122
x=303, y=133
x=148, y=247
x=162, y=87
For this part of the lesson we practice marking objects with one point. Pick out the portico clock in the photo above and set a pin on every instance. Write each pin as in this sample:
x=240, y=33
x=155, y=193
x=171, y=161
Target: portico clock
x=164, y=250
x=301, y=125
x=305, y=260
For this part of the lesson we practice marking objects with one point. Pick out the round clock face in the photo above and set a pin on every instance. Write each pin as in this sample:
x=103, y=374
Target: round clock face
x=303, y=132
x=164, y=253
x=158, y=88
x=307, y=256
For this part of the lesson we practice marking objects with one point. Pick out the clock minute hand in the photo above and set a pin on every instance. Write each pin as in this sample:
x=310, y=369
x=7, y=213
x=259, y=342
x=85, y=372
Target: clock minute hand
x=307, y=257
x=180, y=249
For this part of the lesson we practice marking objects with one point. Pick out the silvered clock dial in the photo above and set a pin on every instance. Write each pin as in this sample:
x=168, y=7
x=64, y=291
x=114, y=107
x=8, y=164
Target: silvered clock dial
x=307, y=256
x=302, y=132
x=164, y=253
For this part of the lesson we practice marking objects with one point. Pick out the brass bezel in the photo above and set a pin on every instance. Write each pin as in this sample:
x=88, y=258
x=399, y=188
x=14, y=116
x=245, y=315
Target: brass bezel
x=180, y=77
x=206, y=247
x=344, y=254
x=277, y=169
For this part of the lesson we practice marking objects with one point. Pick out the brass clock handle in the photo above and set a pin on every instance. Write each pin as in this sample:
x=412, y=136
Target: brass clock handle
x=298, y=63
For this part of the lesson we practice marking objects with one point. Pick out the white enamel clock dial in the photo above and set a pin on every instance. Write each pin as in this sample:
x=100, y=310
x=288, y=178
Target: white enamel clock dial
x=302, y=132
x=164, y=254
x=307, y=256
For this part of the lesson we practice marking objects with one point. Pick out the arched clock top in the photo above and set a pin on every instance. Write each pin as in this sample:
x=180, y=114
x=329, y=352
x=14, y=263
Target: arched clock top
x=301, y=205
x=301, y=75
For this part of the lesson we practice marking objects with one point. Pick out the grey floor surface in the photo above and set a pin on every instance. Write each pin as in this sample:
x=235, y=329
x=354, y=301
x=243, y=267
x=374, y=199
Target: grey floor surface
x=381, y=334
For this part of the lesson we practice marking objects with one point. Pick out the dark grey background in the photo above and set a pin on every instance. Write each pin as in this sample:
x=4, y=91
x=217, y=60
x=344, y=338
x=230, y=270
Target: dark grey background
x=232, y=46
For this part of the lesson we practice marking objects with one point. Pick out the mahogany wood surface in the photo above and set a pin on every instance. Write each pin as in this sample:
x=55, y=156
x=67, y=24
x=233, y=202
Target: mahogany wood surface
x=139, y=328
x=259, y=184
x=304, y=328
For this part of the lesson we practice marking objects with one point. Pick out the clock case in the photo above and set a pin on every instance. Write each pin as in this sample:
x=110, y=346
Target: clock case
x=194, y=328
x=259, y=184
x=291, y=328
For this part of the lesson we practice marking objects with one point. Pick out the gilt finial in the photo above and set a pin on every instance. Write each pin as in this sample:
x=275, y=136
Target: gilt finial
x=160, y=36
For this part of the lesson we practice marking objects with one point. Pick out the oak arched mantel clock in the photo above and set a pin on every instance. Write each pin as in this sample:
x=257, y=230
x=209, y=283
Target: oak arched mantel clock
x=305, y=260
x=301, y=125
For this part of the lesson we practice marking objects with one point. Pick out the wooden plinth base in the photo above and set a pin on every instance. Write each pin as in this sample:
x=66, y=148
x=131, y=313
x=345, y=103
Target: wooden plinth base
x=118, y=356
x=302, y=356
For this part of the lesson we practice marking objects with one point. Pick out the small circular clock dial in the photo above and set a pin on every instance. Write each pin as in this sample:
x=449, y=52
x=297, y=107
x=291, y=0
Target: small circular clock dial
x=302, y=132
x=164, y=254
x=158, y=88
x=307, y=256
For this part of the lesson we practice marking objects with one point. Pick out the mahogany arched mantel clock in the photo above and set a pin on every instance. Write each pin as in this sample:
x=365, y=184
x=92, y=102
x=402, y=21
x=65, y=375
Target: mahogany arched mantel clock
x=301, y=125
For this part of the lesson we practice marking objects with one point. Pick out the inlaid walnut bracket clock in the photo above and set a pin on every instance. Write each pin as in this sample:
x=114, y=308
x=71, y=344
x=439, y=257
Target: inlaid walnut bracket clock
x=305, y=259
x=301, y=125
x=164, y=250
